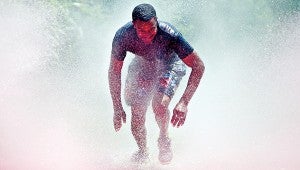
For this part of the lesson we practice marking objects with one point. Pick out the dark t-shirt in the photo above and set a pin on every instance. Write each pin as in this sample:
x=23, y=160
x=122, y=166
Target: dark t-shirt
x=168, y=44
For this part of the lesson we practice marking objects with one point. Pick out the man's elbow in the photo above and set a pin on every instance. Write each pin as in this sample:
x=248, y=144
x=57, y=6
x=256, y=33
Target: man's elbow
x=198, y=65
x=115, y=66
x=201, y=66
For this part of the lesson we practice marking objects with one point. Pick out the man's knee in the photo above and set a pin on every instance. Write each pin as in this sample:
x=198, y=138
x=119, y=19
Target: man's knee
x=160, y=105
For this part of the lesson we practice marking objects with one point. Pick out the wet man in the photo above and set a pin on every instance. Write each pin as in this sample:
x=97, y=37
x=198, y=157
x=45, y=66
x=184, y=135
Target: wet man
x=161, y=56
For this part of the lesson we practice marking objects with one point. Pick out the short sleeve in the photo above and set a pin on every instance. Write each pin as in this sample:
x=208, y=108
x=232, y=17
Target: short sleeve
x=118, y=46
x=182, y=47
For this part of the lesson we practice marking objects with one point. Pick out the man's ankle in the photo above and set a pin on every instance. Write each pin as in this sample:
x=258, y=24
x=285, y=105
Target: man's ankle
x=163, y=135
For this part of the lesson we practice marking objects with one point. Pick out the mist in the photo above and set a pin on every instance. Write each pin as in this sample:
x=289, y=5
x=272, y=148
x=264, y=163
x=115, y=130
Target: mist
x=56, y=111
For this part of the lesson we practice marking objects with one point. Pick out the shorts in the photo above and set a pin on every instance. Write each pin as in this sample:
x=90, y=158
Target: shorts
x=146, y=77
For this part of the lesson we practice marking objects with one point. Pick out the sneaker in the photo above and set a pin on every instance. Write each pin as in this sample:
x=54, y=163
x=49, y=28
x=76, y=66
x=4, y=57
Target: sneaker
x=165, y=152
x=140, y=157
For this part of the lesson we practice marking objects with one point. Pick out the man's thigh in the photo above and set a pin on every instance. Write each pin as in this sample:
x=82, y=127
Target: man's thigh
x=138, y=87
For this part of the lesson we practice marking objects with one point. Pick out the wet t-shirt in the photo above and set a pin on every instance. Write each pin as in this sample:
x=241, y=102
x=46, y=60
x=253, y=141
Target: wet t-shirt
x=168, y=44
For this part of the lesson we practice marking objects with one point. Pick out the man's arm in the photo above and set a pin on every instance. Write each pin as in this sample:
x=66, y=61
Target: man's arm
x=197, y=66
x=114, y=77
x=193, y=61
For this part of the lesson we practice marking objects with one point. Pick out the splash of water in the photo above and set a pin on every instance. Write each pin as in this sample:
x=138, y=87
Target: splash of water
x=55, y=109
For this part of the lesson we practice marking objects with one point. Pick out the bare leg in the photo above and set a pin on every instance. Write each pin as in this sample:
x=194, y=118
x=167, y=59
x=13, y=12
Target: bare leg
x=162, y=113
x=160, y=105
x=138, y=128
x=139, y=132
x=138, y=93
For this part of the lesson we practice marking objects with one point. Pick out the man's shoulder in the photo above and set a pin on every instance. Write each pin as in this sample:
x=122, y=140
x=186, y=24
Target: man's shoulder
x=168, y=29
x=125, y=29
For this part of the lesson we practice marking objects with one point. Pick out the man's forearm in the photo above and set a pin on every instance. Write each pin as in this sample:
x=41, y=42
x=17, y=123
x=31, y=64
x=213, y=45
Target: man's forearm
x=196, y=74
x=114, y=77
x=115, y=88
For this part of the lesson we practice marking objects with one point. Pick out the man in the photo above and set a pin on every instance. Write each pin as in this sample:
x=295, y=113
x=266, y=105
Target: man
x=154, y=74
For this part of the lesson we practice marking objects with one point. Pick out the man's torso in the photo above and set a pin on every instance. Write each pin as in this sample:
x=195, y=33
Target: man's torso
x=167, y=45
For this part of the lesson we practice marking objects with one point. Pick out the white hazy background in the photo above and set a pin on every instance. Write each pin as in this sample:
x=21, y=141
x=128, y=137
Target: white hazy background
x=245, y=114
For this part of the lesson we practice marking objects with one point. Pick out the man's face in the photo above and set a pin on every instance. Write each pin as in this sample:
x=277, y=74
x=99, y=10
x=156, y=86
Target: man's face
x=146, y=30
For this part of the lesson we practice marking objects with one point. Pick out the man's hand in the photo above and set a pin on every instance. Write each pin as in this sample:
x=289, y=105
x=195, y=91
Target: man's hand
x=119, y=116
x=179, y=114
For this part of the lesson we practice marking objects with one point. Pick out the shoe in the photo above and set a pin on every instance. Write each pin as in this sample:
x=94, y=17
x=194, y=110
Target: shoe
x=165, y=152
x=140, y=157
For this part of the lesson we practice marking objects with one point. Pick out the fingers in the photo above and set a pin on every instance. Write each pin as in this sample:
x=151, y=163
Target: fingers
x=178, y=118
x=118, y=119
x=124, y=117
x=117, y=129
x=117, y=123
x=174, y=119
x=181, y=122
x=178, y=122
